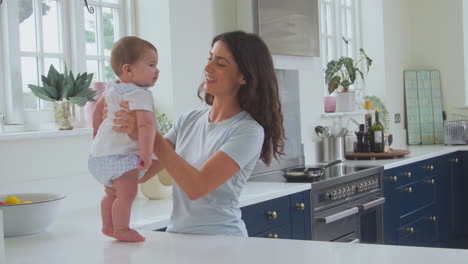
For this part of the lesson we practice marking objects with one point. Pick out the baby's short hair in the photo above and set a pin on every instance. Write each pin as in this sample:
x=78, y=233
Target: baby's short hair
x=128, y=50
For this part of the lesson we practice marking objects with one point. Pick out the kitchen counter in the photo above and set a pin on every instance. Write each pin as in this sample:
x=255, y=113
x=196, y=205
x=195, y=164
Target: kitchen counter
x=76, y=237
x=76, y=233
x=419, y=152
x=160, y=247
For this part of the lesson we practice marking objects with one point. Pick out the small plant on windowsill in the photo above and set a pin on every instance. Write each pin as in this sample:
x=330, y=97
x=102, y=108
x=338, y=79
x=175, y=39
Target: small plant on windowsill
x=343, y=72
x=64, y=90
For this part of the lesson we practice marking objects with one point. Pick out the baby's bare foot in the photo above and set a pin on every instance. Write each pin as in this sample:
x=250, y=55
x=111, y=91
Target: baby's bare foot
x=128, y=235
x=108, y=231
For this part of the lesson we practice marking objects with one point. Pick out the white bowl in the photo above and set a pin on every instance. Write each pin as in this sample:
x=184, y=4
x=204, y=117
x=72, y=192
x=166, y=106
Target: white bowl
x=29, y=218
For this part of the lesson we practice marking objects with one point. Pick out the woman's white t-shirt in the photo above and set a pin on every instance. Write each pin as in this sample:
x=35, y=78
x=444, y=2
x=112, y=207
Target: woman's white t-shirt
x=196, y=140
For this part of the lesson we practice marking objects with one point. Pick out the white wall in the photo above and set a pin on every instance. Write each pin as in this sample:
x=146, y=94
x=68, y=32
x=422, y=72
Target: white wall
x=397, y=54
x=437, y=43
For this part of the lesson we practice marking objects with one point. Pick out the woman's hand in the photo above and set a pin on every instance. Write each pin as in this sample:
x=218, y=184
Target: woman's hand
x=126, y=121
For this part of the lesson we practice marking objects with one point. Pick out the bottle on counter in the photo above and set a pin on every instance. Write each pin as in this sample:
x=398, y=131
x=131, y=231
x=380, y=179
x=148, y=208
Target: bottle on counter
x=367, y=136
x=377, y=137
x=360, y=138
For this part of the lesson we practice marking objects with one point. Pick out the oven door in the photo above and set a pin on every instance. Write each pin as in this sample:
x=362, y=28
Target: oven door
x=336, y=224
x=371, y=219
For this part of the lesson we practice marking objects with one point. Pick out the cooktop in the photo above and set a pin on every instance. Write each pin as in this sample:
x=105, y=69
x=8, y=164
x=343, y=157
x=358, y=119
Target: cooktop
x=336, y=173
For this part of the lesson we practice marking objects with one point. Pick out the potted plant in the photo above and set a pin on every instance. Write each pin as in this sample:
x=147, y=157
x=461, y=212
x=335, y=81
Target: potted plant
x=343, y=72
x=64, y=90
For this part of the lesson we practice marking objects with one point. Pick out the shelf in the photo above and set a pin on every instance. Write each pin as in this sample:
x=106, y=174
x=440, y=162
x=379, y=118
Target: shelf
x=344, y=114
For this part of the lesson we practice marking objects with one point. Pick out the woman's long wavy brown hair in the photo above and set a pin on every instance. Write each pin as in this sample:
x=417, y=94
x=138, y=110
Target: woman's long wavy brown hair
x=260, y=96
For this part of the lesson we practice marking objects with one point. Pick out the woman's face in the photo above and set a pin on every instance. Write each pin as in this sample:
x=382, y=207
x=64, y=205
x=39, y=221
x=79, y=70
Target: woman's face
x=222, y=75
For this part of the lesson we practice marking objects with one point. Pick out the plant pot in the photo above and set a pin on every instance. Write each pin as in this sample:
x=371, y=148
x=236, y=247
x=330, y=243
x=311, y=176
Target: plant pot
x=86, y=112
x=345, y=101
x=329, y=103
x=64, y=113
x=159, y=187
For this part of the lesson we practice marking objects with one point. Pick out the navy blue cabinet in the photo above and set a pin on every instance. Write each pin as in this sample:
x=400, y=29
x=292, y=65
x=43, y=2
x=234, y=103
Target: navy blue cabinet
x=460, y=168
x=445, y=199
x=419, y=208
x=283, y=217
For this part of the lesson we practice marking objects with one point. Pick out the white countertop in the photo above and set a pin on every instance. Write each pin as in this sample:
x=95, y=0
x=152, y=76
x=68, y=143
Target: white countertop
x=418, y=153
x=76, y=237
x=167, y=248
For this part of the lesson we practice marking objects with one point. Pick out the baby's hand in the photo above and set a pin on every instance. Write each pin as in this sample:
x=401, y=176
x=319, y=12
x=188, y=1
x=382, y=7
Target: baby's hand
x=145, y=163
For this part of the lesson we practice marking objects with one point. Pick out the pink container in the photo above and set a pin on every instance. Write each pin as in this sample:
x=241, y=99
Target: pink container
x=329, y=104
x=86, y=112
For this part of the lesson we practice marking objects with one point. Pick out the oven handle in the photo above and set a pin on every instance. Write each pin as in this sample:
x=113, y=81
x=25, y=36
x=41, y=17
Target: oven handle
x=371, y=204
x=340, y=215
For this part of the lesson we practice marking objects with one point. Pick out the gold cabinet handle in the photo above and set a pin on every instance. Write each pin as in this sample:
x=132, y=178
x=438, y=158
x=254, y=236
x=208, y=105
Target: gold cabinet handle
x=272, y=215
x=410, y=230
x=430, y=167
x=433, y=218
x=272, y=235
x=408, y=174
x=300, y=206
x=393, y=178
x=431, y=181
x=409, y=189
x=454, y=160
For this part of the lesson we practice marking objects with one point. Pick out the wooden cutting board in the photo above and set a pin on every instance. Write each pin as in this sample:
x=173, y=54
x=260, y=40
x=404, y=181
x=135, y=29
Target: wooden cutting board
x=393, y=154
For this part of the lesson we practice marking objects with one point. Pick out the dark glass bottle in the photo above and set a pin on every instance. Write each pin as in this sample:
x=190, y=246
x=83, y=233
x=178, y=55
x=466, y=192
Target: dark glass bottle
x=367, y=138
x=360, y=138
x=378, y=143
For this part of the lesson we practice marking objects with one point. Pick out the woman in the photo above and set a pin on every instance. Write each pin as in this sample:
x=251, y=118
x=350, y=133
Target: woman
x=211, y=153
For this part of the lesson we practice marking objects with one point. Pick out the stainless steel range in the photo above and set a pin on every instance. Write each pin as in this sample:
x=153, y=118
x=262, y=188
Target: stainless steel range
x=346, y=201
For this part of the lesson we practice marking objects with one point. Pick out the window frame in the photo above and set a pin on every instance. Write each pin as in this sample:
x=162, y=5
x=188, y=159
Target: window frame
x=72, y=46
x=336, y=37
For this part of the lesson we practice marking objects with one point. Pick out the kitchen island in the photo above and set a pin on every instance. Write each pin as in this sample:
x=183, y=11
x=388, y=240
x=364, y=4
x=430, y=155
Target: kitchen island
x=76, y=237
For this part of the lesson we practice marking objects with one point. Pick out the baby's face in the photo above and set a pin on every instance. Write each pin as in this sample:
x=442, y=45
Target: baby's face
x=145, y=70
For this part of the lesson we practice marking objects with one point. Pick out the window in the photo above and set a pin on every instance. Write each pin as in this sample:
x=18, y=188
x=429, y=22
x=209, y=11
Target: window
x=339, y=22
x=38, y=33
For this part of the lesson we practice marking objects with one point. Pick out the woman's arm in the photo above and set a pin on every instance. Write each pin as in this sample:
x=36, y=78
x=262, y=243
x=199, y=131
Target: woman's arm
x=195, y=183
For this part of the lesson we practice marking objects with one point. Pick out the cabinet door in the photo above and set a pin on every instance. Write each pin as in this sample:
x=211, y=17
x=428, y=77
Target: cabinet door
x=461, y=188
x=300, y=216
x=266, y=215
x=419, y=228
x=445, y=199
x=410, y=197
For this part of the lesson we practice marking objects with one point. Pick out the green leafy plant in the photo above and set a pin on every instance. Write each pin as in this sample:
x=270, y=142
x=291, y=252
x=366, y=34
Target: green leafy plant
x=164, y=123
x=343, y=72
x=64, y=86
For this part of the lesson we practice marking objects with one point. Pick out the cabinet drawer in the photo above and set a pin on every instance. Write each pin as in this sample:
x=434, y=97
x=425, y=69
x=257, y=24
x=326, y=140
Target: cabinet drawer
x=419, y=228
x=283, y=232
x=407, y=198
x=266, y=215
x=403, y=175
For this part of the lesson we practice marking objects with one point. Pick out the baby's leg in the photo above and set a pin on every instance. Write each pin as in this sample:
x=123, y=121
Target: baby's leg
x=106, y=211
x=126, y=190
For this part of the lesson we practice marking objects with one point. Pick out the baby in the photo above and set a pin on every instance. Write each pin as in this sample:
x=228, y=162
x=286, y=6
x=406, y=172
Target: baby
x=117, y=160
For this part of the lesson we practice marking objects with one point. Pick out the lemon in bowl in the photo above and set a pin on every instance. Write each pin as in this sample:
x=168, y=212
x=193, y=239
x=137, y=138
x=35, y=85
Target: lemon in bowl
x=29, y=213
